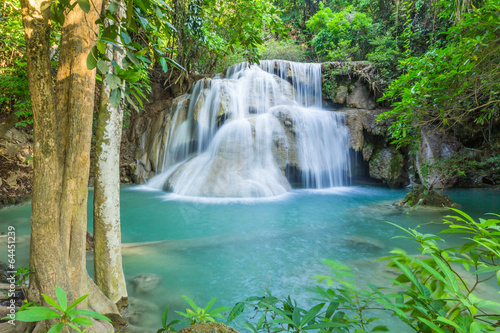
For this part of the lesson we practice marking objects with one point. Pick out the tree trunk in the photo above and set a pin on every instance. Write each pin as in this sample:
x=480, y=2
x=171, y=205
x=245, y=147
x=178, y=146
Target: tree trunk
x=62, y=132
x=108, y=270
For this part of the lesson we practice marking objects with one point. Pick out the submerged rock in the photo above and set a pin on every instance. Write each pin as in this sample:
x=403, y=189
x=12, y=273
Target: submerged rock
x=141, y=313
x=421, y=196
x=145, y=283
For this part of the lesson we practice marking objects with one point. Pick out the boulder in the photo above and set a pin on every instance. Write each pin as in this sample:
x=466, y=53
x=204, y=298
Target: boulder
x=422, y=196
x=208, y=328
x=387, y=165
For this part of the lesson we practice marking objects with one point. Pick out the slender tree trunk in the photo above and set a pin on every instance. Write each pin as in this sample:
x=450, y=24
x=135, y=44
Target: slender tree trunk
x=61, y=153
x=108, y=270
x=45, y=211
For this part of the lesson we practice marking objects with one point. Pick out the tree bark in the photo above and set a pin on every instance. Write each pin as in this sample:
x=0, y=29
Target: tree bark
x=62, y=133
x=108, y=270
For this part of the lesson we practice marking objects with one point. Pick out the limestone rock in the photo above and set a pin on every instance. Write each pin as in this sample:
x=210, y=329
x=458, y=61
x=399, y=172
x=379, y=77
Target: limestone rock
x=422, y=196
x=359, y=121
x=360, y=97
x=340, y=95
x=436, y=145
x=387, y=165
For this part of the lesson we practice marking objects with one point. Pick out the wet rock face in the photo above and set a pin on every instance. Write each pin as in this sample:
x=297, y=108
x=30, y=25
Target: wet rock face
x=360, y=97
x=436, y=145
x=387, y=165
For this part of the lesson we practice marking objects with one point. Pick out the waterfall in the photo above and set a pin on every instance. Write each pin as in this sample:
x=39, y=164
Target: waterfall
x=252, y=133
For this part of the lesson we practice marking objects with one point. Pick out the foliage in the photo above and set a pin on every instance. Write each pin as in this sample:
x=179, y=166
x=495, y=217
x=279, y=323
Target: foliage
x=283, y=50
x=67, y=315
x=461, y=166
x=22, y=275
x=198, y=315
x=452, y=85
x=165, y=325
x=436, y=296
x=341, y=36
x=14, y=94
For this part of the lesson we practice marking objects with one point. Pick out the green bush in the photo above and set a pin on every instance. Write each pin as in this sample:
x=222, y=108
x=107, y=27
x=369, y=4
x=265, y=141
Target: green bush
x=341, y=36
x=14, y=94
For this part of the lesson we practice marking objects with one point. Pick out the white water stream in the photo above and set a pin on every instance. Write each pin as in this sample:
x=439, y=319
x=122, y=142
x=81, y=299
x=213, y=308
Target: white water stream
x=253, y=134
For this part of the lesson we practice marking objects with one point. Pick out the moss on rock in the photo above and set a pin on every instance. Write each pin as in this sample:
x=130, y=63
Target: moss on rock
x=421, y=196
x=208, y=328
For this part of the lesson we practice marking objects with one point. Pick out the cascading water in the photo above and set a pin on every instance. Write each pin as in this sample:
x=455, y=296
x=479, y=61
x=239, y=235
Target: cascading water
x=251, y=134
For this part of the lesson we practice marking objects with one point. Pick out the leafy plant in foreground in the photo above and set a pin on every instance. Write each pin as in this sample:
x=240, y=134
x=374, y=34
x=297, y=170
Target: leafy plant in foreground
x=165, y=326
x=198, y=315
x=67, y=315
x=439, y=289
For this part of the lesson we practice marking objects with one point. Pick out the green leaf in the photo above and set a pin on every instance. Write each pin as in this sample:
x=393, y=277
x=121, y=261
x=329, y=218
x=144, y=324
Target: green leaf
x=61, y=297
x=323, y=325
x=113, y=81
x=126, y=38
x=296, y=316
x=113, y=7
x=163, y=63
x=102, y=66
x=431, y=325
x=311, y=314
x=56, y=328
x=36, y=314
x=84, y=5
x=191, y=303
x=91, y=59
x=52, y=302
x=101, y=47
x=82, y=321
x=115, y=97
x=79, y=300
x=409, y=275
x=164, y=316
x=92, y=314
x=331, y=309
x=133, y=58
x=210, y=304
x=486, y=269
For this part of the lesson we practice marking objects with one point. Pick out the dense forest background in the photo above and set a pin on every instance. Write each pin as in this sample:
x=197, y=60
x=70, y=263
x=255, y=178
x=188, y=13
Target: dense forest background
x=436, y=61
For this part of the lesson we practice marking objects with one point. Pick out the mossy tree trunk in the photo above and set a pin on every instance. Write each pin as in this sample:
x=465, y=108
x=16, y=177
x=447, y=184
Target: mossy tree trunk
x=108, y=268
x=62, y=133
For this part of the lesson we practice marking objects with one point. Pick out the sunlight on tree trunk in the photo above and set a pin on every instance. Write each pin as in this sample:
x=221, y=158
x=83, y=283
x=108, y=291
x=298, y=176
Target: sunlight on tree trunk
x=62, y=133
x=108, y=268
